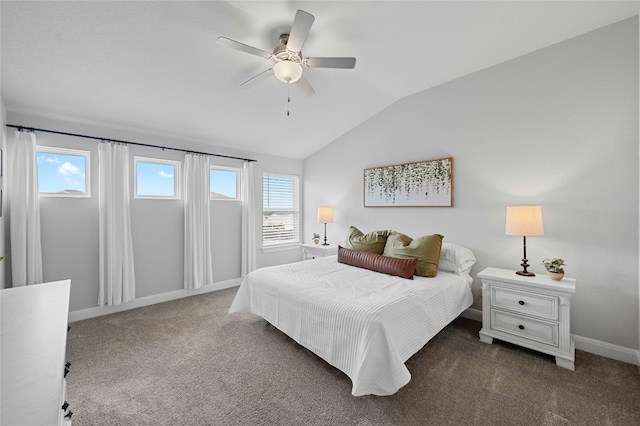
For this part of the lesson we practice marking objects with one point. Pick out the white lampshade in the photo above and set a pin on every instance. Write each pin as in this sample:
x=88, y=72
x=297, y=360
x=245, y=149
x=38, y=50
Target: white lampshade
x=524, y=221
x=287, y=71
x=325, y=214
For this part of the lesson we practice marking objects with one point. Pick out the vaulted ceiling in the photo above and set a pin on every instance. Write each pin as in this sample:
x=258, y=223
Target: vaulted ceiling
x=155, y=67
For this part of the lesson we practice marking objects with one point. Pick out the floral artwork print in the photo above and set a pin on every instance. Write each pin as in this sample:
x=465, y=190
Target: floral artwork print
x=425, y=183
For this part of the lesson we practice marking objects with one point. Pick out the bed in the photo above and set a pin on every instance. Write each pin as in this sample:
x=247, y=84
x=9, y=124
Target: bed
x=365, y=323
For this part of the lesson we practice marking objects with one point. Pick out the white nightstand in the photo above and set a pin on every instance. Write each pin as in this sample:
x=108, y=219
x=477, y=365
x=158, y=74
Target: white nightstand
x=528, y=311
x=312, y=251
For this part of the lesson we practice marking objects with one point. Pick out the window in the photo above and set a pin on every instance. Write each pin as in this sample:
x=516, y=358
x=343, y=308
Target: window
x=280, y=209
x=224, y=183
x=156, y=178
x=63, y=172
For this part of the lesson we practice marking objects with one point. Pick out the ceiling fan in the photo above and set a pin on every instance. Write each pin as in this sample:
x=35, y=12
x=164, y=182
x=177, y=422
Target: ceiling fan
x=287, y=57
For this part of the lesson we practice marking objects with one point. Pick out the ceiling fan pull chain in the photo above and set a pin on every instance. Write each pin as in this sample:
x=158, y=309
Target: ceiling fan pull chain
x=288, y=101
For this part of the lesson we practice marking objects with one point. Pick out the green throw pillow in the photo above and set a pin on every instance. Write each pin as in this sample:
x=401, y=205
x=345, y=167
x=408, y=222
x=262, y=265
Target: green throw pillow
x=373, y=242
x=426, y=249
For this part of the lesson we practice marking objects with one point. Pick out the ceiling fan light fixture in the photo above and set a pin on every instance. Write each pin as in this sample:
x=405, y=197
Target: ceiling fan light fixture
x=287, y=71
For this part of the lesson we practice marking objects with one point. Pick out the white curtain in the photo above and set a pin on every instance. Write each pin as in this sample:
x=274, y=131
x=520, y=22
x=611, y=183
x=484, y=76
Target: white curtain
x=117, y=277
x=248, y=220
x=23, y=201
x=197, y=229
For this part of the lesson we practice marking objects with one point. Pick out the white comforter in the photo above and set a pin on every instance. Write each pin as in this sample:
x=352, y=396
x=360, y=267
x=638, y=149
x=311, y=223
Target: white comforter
x=365, y=323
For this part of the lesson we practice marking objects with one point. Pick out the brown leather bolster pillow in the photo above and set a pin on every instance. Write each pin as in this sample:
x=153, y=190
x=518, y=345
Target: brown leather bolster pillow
x=404, y=268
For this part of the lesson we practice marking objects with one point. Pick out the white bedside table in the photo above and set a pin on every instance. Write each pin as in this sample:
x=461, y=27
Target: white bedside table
x=533, y=312
x=312, y=251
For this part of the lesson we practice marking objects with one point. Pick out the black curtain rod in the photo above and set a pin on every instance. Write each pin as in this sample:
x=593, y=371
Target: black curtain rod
x=33, y=129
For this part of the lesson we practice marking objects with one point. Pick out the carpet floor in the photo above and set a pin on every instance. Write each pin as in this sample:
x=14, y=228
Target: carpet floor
x=188, y=362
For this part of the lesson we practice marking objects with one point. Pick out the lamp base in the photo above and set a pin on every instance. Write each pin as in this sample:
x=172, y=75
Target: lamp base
x=525, y=263
x=325, y=236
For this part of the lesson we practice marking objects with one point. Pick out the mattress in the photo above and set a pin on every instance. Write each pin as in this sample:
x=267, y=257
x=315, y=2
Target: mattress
x=365, y=323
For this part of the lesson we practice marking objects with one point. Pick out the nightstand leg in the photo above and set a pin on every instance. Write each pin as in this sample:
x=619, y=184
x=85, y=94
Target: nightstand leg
x=486, y=339
x=565, y=363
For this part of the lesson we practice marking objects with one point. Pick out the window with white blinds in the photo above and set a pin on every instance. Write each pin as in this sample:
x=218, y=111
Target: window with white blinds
x=280, y=209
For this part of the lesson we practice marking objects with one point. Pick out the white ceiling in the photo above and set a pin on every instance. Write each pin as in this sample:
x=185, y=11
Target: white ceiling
x=155, y=67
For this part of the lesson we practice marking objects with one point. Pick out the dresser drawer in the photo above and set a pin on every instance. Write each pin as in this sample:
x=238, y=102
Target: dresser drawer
x=540, y=305
x=528, y=328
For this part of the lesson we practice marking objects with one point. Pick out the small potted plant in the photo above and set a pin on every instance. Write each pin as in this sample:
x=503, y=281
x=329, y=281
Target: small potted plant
x=554, y=267
x=316, y=237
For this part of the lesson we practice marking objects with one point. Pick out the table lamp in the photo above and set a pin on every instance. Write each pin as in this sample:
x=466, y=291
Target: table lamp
x=524, y=221
x=325, y=215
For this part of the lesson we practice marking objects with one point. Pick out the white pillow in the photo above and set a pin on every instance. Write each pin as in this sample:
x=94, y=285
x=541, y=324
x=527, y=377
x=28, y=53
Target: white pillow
x=456, y=259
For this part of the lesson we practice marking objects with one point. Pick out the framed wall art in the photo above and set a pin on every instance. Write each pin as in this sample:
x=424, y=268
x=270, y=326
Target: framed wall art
x=421, y=184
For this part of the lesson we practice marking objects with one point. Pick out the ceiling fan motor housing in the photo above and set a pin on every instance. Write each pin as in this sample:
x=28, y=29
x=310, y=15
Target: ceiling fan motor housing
x=281, y=53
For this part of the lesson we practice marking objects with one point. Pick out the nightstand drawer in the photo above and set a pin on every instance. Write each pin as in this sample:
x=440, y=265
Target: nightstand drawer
x=528, y=303
x=528, y=328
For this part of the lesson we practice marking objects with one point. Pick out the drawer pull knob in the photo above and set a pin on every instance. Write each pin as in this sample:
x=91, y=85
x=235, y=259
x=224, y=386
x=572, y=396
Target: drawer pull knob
x=521, y=327
x=521, y=302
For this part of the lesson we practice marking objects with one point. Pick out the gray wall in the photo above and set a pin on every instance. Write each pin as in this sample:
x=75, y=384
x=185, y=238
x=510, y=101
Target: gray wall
x=557, y=127
x=69, y=226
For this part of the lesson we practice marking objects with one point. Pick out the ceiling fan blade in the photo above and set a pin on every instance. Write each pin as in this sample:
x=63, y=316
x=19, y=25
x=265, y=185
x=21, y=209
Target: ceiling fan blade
x=299, y=30
x=348, y=63
x=258, y=78
x=227, y=42
x=304, y=86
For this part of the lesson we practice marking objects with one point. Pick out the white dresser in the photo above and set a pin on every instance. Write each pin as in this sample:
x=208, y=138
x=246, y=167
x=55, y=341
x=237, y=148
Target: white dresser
x=533, y=312
x=33, y=325
x=312, y=251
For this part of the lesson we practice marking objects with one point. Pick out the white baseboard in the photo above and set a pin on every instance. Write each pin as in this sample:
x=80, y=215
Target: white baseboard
x=150, y=300
x=472, y=314
x=607, y=350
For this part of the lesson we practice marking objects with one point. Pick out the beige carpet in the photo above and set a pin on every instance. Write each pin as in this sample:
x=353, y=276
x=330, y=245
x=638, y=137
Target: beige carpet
x=188, y=362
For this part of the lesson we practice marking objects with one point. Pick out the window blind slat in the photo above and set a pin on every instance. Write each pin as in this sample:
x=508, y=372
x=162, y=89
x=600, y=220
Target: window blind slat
x=280, y=208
